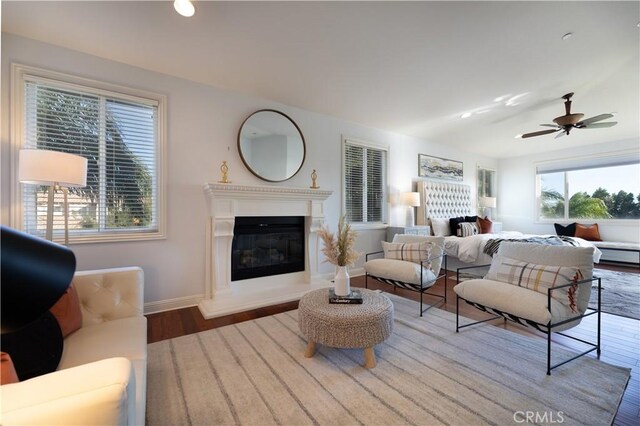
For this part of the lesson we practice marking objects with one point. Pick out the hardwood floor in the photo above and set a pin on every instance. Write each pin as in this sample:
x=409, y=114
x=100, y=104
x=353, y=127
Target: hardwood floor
x=620, y=335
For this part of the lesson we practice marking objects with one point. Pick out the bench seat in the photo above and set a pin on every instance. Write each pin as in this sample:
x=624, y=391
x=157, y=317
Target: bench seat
x=619, y=246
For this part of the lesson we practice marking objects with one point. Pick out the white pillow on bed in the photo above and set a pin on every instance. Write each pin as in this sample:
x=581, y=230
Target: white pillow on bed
x=440, y=227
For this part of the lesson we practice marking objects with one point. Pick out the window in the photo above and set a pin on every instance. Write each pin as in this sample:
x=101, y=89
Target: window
x=486, y=182
x=365, y=182
x=118, y=130
x=602, y=188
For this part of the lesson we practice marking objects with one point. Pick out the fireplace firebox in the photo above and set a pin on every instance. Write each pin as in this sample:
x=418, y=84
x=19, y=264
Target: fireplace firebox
x=267, y=245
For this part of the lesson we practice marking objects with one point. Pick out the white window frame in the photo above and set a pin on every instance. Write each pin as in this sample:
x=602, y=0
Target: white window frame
x=19, y=74
x=609, y=159
x=385, y=212
x=494, y=193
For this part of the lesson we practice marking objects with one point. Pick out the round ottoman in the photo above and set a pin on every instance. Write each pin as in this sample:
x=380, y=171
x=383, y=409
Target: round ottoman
x=345, y=325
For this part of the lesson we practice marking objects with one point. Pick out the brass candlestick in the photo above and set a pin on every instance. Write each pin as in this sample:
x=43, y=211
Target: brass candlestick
x=224, y=169
x=314, y=177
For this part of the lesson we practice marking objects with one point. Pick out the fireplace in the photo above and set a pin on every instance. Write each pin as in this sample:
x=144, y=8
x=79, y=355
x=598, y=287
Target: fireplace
x=267, y=245
x=230, y=206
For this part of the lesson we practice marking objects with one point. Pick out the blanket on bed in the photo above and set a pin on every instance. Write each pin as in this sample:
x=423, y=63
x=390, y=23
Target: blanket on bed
x=493, y=244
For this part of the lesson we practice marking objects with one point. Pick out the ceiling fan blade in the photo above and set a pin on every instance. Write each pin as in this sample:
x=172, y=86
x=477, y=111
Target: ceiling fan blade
x=561, y=134
x=549, y=125
x=540, y=133
x=593, y=119
x=600, y=125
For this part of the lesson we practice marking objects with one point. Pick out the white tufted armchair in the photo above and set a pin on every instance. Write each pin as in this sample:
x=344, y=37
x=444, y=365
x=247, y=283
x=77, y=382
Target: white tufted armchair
x=101, y=378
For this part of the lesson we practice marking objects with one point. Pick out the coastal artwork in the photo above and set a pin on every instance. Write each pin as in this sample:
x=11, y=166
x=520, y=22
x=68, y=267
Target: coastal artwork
x=439, y=168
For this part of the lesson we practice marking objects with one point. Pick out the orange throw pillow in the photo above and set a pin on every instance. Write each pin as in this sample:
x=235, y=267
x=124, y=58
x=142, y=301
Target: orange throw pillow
x=67, y=311
x=7, y=371
x=485, y=225
x=588, y=232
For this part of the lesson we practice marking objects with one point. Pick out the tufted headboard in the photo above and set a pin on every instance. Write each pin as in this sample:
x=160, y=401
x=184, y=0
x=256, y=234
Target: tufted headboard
x=442, y=200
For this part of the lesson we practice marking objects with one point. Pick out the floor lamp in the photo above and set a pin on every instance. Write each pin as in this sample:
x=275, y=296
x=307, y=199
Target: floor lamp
x=56, y=169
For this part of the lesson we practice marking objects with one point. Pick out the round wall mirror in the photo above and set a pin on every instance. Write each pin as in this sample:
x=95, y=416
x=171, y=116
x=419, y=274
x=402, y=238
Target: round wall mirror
x=271, y=145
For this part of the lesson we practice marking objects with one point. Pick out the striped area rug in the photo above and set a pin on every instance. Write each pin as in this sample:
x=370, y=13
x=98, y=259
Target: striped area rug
x=254, y=373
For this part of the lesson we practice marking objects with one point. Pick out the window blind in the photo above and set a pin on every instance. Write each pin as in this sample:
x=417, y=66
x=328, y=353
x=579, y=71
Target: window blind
x=365, y=171
x=119, y=137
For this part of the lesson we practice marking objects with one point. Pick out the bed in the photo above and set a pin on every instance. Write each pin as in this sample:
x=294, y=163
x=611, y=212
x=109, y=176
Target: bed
x=443, y=200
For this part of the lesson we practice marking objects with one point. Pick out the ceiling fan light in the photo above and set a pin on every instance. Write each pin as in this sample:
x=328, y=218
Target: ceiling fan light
x=184, y=7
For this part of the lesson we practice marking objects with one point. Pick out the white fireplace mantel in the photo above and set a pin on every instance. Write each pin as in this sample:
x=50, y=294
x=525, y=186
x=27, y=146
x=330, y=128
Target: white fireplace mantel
x=226, y=202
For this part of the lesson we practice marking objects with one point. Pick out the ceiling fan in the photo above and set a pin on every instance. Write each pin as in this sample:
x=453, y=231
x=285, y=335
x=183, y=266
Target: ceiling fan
x=566, y=122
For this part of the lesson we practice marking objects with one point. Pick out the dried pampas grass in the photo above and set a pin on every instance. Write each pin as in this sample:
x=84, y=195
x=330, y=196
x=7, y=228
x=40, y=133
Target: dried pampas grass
x=339, y=251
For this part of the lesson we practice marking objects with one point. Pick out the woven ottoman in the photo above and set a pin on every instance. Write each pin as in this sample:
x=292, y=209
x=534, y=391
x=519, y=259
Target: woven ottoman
x=345, y=325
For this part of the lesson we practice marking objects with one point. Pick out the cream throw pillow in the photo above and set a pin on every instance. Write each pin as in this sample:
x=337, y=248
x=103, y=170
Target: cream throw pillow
x=410, y=252
x=538, y=278
x=440, y=227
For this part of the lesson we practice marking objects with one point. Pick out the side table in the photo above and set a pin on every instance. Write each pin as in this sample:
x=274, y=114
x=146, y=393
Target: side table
x=345, y=325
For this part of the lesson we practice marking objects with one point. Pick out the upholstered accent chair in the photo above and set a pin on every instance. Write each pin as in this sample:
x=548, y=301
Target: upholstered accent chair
x=544, y=287
x=412, y=262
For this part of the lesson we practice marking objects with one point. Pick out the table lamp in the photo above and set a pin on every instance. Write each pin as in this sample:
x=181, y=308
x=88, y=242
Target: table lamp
x=411, y=200
x=487, y=203
x=56, y=169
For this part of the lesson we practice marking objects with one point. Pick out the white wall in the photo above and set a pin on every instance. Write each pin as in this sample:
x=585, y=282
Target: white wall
x=516, y=193
x=202, y=126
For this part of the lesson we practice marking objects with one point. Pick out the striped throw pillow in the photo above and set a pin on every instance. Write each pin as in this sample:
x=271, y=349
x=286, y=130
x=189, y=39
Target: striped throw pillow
x=411, y=252
x=538, y=278
x=466, y=229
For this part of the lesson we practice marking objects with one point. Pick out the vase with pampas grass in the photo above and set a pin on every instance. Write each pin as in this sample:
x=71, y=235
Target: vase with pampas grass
x=339, y=251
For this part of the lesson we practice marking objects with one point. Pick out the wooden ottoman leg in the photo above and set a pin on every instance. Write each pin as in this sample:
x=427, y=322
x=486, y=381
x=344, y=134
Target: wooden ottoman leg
x=311, y=349
x=369, y=358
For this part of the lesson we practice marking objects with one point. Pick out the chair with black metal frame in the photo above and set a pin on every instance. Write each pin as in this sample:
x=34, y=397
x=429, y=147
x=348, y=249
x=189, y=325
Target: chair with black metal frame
x=418, y=276
x=553, y=325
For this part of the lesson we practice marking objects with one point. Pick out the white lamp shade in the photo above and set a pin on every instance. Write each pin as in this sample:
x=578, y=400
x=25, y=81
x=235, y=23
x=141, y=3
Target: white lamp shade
x=488, y=202
x=411, y=199
x=43, y=167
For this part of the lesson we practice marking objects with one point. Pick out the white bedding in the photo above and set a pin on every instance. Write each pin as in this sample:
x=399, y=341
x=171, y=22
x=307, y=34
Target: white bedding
x=470, y=249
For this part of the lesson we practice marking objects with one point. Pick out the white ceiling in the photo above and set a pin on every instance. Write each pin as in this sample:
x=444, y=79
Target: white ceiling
x=407, y=67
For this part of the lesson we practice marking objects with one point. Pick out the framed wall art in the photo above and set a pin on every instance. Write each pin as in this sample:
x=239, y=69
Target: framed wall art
x=439, y=168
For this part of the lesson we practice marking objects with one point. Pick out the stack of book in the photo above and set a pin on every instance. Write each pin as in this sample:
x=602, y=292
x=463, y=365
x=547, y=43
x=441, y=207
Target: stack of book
x=355, y=297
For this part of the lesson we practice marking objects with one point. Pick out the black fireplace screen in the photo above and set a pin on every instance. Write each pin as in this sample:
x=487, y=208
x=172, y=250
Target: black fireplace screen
x=264, y=246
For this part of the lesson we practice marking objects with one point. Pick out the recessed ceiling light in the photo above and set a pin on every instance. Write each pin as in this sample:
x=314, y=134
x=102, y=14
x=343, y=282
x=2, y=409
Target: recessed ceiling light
x=466, y=115
x=184, y=7
x=567, y=36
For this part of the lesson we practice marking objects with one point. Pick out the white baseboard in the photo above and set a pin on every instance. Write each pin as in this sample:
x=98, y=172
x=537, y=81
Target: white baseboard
x=172, y=304
x=356, y=272
x=189, y=301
